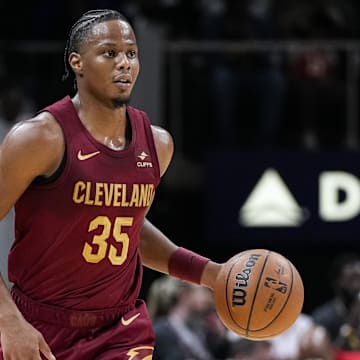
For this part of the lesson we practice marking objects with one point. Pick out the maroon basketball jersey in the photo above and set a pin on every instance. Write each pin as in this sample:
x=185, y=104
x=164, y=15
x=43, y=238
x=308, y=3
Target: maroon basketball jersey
x=77, y=238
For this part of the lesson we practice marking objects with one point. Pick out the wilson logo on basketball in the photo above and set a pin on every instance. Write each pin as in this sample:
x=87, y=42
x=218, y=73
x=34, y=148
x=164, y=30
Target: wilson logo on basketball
x=241, y=281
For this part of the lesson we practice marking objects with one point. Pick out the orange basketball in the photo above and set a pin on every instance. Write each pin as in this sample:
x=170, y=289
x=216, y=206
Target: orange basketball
x=258, y=294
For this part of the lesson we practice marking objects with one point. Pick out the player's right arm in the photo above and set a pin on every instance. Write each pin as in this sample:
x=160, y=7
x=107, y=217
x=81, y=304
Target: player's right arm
x=32, y=148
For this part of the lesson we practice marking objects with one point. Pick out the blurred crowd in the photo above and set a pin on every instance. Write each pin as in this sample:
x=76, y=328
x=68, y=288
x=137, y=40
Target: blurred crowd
x=296, y=98
x=187, y=326
x=268, y=99
x=185, y=18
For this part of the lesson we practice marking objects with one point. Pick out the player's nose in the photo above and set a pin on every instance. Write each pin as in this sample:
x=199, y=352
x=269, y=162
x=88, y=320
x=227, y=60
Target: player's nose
x=122, y=61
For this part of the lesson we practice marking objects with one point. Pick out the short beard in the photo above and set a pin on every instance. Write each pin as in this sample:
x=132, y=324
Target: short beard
x=118, y=103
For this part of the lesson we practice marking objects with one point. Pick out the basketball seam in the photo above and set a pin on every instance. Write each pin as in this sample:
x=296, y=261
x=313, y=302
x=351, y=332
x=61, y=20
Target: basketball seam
x=284, y=305
x=256, y=291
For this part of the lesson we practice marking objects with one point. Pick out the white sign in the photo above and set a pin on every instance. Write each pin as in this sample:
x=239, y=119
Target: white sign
x=271, y=203
x=331, y=206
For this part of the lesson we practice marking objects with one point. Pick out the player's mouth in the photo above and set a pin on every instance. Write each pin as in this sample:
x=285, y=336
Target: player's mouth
x=123, y=85
x=123, y=82
x=123, y=78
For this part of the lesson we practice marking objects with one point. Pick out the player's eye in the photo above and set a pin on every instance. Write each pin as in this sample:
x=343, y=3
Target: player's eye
x=132, y=54
x=110, y=53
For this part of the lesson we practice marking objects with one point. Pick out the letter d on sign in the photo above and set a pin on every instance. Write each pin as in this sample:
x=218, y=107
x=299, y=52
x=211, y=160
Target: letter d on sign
x=330, y=206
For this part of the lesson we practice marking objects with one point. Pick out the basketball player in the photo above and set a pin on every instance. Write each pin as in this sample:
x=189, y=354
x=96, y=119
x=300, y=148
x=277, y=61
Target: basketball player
x=82, y=175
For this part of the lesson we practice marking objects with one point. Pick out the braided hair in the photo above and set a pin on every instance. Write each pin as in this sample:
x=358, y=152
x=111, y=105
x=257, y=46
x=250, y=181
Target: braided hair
x=81, y=29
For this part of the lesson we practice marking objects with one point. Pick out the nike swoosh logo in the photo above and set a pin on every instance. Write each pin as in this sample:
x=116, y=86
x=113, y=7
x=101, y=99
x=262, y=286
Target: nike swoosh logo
x=130, y=320
x=81, y=156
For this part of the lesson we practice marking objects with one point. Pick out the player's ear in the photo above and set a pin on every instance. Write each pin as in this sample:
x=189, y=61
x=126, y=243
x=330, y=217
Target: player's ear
x=76, y=63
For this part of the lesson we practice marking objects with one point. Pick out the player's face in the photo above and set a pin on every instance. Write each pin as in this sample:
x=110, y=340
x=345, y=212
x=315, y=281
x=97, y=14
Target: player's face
x=108, y=63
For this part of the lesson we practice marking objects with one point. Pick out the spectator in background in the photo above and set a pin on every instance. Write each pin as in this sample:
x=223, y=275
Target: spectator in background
x=247, y=89
x=302, y=341
x=317, y=78
x=315, y=344
x=185, y=323
x=340, y=314
x=243, y=349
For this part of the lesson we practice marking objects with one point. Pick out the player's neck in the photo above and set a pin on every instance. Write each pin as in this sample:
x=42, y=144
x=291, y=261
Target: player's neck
x=106, y=125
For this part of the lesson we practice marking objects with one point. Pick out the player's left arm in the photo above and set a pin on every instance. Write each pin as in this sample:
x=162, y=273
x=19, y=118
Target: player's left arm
x=156, y=248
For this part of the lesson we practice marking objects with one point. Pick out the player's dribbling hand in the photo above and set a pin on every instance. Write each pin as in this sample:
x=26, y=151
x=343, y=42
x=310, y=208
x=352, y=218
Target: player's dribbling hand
x=21, y=341
x=208, y=277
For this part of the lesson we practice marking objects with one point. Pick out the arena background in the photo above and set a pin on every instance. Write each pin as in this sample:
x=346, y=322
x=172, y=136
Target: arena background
x=297, y=191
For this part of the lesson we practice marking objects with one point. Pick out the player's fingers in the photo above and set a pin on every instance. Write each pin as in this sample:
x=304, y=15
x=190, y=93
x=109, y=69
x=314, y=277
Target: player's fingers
x=45, y=350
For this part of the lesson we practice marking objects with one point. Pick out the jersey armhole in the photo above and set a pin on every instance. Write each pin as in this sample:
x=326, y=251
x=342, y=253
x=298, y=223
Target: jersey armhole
x=44, y=180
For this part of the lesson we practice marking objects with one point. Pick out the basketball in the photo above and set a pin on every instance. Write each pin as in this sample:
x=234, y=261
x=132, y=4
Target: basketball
x=258, y=294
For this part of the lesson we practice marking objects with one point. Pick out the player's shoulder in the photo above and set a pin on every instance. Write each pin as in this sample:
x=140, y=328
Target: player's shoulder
x=162, y=135
x=40, y=130
x=164, y=147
